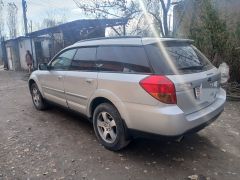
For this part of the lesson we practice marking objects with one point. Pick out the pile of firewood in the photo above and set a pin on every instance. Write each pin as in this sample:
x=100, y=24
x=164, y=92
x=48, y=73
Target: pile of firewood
x=233, y=91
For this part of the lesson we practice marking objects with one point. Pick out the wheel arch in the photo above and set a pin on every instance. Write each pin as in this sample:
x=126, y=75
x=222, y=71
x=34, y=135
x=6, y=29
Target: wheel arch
x=97, y=101
x=103, y=96
x=32, y=80
x=30, y=83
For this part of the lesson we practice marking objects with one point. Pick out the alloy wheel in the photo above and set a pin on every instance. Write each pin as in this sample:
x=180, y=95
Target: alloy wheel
x=107, y=128
x=36, y=96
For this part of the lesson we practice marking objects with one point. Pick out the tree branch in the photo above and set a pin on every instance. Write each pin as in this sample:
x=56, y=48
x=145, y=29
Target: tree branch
x=104, y=9
x=114, y=29
x=163, y=4
x=159, y=22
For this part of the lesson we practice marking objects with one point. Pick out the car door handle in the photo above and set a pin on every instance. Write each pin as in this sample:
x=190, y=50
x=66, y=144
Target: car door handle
x=60, y=77
x=89, y=80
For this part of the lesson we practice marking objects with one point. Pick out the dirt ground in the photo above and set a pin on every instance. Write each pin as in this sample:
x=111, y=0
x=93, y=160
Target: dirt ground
x=57, y=144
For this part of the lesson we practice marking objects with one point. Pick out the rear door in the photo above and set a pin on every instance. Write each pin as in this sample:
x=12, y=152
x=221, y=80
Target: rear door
x=121, y=68
x=196, y=80
x=81, y=81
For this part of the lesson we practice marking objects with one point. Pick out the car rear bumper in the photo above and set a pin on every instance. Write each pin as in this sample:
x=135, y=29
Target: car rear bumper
x=136, y=133
x=171, y=120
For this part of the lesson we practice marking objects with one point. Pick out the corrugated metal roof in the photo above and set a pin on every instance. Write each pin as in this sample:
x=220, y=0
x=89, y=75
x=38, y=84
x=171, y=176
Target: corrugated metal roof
x=80, y=25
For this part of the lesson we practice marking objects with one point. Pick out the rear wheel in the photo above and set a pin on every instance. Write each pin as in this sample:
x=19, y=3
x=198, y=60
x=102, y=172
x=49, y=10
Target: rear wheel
x=109, y=127
x=37, y=98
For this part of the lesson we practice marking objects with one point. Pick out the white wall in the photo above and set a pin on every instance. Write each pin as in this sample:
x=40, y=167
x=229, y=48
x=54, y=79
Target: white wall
x=1, y=55
x=25, y=45
x=45, y=47
x=10, y=59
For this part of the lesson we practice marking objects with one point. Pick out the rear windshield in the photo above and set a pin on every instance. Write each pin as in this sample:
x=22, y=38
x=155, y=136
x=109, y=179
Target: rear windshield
x=177, y=59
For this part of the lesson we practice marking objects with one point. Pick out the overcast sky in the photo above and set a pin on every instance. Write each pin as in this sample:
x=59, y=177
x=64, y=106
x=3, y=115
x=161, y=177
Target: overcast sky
x=37, y=10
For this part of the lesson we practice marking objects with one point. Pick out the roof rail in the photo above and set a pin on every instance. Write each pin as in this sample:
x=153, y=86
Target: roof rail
x=114, y=37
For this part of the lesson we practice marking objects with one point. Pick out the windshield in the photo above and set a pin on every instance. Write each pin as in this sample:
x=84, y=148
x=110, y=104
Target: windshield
x=177, y=59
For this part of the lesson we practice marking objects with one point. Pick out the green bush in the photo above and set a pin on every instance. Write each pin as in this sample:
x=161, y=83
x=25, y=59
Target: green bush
x=215, y=40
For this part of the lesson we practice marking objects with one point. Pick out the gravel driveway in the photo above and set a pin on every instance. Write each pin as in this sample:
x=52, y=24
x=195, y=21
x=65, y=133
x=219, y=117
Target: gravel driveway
x=57, y=144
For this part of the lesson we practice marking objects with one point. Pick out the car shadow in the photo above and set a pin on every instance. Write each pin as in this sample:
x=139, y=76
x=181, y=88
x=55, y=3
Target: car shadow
x=194, y=154
x=191, y=147
x=188, y=148
x=204, y=153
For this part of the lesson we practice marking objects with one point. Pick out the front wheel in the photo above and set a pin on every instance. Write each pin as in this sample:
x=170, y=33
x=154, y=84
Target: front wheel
x=109, y=127
x=37, y=98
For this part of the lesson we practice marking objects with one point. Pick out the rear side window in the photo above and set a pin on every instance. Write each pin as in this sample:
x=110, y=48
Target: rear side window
x=84, y=59
x=174, y=59
x=122, y=59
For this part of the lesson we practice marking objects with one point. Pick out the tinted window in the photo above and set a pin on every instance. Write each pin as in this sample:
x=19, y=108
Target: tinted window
x=63, y=61
x=84, y=59
x=176, y=59
x=122, y=59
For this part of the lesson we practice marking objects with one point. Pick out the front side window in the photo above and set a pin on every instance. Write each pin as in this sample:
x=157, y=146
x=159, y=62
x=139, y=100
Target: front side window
x=63, y=61
x=85, y=59
x=124, y=59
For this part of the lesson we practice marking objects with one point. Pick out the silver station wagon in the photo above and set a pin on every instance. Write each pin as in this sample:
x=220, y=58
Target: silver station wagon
x=130, y=86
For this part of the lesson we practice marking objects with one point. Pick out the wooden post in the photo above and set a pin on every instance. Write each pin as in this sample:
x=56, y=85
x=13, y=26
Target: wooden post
x=124, y=29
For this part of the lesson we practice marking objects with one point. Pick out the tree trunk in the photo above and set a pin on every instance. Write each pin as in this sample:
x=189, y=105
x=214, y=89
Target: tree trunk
x=165, y=24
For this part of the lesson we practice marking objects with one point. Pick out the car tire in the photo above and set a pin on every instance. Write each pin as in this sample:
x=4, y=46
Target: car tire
x=38, y=101
x=109, y=127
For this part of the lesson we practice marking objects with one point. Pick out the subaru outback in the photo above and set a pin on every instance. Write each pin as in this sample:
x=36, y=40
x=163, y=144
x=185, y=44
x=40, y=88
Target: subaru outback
x=132, y=85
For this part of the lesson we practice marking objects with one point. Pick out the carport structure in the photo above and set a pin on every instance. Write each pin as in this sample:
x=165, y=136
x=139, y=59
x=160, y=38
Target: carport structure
x=45, y=43
x=80, y=29
x=68, y=33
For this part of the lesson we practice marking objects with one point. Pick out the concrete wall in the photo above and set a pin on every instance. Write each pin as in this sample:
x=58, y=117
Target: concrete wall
x=182, y=17
x=229, y=11
x=45, y=47
x=24, y=45
x=13, y=55
x=1, y=55
x=184, y=14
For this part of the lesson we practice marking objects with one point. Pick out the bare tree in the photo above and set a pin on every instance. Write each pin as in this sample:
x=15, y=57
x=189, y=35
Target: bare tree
x=12, y=19
x=1, y=18
x=159, y=9
x=47, y=23
x=54, y=18
x=133, y=10
x=126, y=9
x=108, y=8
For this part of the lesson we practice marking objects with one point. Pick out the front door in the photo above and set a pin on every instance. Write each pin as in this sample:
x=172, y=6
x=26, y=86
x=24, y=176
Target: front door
x=52, y=80
x=81, y=81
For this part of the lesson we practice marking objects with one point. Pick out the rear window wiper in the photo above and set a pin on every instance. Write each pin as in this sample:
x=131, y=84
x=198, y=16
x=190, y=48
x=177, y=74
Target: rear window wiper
x=192, y=68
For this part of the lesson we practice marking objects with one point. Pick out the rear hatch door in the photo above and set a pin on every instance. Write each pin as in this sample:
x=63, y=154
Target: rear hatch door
x=196, y=79
x=196, y=91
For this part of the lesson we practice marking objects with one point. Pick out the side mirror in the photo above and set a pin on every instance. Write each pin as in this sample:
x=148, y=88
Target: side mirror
x=43, y=67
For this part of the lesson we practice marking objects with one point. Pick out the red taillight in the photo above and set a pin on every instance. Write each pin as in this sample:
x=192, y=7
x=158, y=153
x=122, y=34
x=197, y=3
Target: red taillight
x=161, y=88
